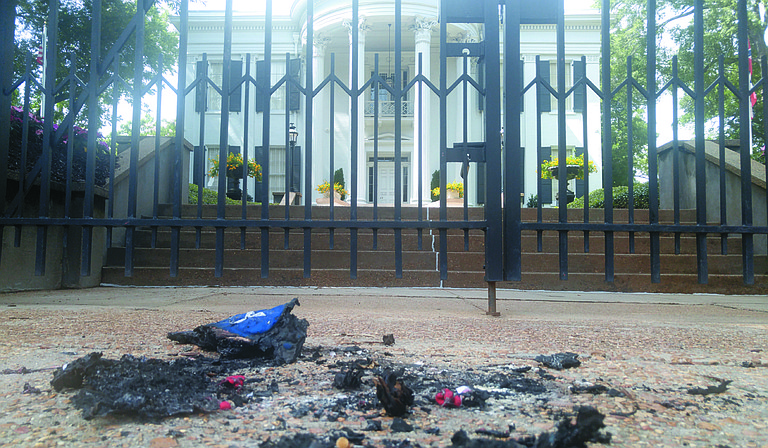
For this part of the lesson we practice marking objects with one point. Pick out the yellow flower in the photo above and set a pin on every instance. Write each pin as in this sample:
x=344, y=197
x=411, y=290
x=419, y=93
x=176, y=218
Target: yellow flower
x=326, y=186
x=455, y=186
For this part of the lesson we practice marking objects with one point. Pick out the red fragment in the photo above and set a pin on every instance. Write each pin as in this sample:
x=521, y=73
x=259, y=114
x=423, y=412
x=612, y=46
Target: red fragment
x=448, y=399
x=225, y=406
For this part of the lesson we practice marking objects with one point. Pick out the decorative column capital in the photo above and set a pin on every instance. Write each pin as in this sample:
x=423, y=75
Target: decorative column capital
x=362, y=26
x=320, y=44
x=422, y=28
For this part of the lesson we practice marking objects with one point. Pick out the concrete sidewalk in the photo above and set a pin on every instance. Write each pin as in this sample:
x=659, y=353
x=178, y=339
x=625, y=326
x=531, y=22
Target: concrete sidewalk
x=211, y=297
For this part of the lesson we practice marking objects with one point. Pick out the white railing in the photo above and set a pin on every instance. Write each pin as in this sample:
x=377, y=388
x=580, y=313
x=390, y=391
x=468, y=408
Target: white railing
x=387, y=108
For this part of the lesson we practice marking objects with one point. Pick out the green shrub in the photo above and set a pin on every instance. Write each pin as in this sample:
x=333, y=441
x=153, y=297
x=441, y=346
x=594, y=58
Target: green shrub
x=620, y=198
x=338, y=178
x=210, y=197
x=435, y=184
x=533, y=201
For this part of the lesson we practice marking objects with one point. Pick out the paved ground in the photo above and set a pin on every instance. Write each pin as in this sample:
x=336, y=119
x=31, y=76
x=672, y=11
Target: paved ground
x=649, y=349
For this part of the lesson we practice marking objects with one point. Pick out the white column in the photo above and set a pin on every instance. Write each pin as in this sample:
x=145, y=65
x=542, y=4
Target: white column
x=320, y=131
x=362, y=175
x=422, y=29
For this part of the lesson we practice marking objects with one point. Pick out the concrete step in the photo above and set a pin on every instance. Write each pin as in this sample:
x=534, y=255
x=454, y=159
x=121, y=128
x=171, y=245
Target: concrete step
x=385, y=239
x=411, y=213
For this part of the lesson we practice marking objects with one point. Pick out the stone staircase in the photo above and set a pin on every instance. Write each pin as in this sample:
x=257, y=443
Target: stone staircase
x=330, y=256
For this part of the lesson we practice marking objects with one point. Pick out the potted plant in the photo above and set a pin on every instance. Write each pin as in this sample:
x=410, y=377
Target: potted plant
x=454, y=190
x=235, y=167
x=574, y=167
x=325, y=190
x=574, y=170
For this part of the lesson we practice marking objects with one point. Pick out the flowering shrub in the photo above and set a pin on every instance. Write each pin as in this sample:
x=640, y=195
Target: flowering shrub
x=455, y=186
x=234, y=164
x=58, y=149
x=326, y=186
x=548, y=168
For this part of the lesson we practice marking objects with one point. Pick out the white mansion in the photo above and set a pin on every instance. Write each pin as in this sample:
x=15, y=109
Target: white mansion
x=331, y=53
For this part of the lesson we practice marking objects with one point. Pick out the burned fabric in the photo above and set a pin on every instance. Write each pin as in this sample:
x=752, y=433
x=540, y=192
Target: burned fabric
x=147, y=388
x=393, y=395
x=273, y=333
x=560, y=361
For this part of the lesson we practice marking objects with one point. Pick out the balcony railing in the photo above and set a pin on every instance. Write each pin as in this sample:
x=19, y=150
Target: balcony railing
x=388, y=108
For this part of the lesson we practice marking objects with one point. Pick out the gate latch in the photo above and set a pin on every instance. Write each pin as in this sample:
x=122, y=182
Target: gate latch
x=464, y=153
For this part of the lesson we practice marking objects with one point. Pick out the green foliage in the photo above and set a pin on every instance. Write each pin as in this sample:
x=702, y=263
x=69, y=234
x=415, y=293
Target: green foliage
x=533, y=201
x=675, y=23
x=74, y=42
x=210, y=197
x=620, y=198
x=434, y=184
x=338, y=178
x=149, y=126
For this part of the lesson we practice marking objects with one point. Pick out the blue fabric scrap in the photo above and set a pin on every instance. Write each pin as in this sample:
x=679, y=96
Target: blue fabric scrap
x=251, y=323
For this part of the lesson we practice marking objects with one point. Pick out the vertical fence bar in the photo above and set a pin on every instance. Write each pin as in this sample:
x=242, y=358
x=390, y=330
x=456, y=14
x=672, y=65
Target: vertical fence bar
x=138, y=89
x=181, y=99
x=419, y=138
x=585, y=140
x=465, y=139
x=513, y=152
x=605, y=25
x=93, y=126
x=354, y=103
x=653, y=169
x=699, y=113
x=45, y=174
x=675, y=155
x=221, y=205
x=116, y=81
x=375, y=87
x=747, y=239
x=539, y=157
x=288, y=182
x=494, y=268
x=630, y=154
x=562, y=202
x=309, y=123
x=7, y=49
x=65, y=262
x=398, y=137
x=443, y=216
x=246, y=85
x=199, y=168
x=266, y=91
x=332, y=139
x=721, y=144
x=158, y=114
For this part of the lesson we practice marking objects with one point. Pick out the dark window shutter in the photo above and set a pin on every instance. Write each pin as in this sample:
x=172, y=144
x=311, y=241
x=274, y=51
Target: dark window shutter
x=545, y=192
x=294, y=95
x=481, y=83
x=235, y=75
x=480, y=183
x=544, y=96
x=522, y=85
x=296, y=169
x=258, y=156
x=579, y=182
x=405, y=83
x=262, y=82
x=580, y=93
x=200, y=91
x=199, y=163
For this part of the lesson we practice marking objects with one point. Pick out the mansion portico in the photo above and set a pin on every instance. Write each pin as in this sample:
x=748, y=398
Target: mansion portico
x=332, y=118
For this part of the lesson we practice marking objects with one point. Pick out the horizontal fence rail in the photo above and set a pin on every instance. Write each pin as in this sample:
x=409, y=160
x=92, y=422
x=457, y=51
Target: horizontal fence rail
x=58, y=154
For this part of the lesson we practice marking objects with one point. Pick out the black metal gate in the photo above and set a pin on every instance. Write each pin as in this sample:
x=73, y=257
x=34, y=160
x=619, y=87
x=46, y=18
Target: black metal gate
x=502, y=154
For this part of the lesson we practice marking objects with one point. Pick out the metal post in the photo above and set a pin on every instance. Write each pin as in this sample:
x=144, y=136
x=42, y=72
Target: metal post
x=492, y=300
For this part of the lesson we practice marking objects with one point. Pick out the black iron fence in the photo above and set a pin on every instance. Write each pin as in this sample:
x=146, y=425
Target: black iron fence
x=65, y=158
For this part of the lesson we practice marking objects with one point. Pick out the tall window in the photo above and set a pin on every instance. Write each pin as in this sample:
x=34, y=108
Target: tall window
x=568, y=85
x=215, y=70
